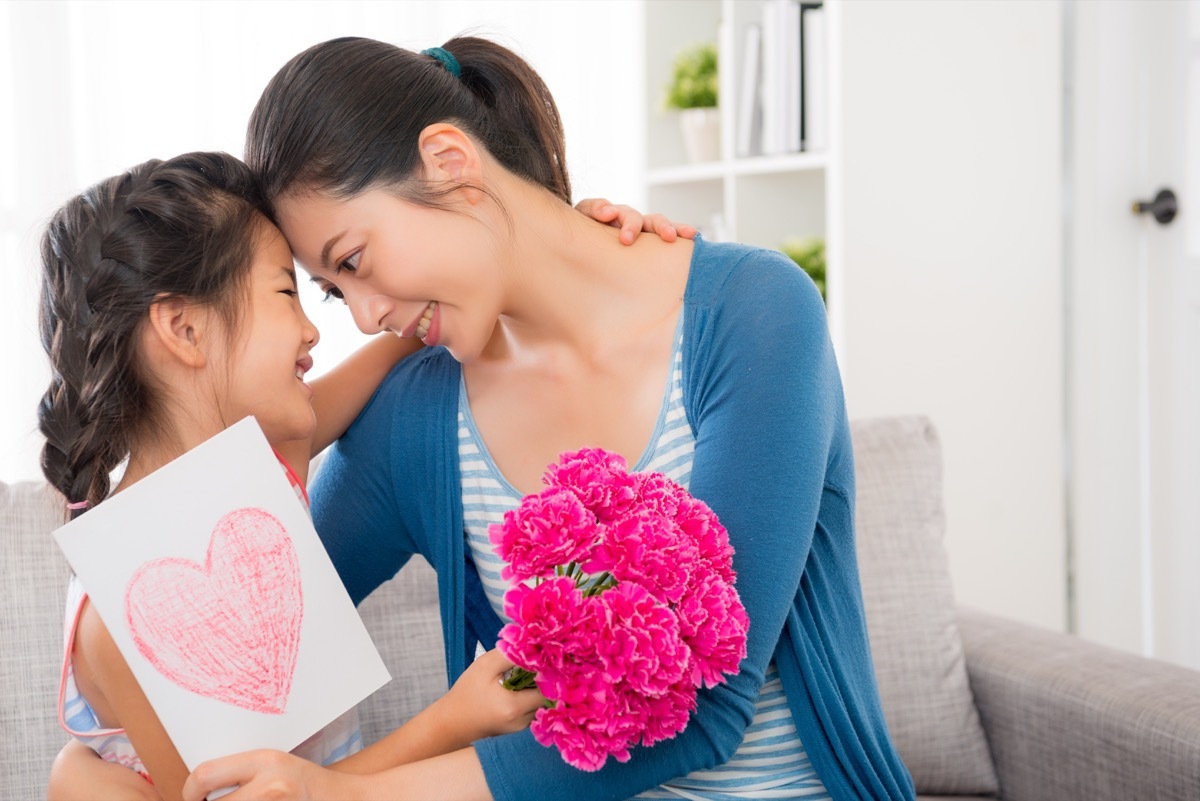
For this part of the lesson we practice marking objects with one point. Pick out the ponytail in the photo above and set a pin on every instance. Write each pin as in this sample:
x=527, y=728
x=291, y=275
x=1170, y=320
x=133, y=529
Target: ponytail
x=345, y=116
x=182, y=228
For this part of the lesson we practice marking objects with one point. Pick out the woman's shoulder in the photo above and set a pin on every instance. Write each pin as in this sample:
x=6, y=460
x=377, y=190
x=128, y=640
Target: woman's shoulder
x=429, y=371
x=730, y=280
x=724, y=272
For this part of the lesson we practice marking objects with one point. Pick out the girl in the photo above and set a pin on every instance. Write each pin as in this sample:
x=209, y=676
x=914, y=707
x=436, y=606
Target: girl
x=169, y=310
x=553, y=339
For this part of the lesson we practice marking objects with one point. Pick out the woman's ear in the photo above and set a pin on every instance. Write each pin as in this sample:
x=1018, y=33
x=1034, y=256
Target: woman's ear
x=181, y=329
x=448, y=154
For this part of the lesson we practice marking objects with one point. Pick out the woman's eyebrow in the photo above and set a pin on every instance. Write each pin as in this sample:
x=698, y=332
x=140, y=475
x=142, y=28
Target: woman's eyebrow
x=328, y=247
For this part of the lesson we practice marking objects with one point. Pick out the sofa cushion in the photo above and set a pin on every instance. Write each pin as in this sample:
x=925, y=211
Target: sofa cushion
x=403, y=619
x=910, y=608
x=31, y=594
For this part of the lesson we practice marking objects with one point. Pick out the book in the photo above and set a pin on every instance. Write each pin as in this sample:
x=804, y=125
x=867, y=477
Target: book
x=749, y=118
x=815, y=71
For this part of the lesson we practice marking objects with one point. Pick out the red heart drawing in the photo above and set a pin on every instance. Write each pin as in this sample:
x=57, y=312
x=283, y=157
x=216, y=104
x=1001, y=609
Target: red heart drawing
x=228, y=629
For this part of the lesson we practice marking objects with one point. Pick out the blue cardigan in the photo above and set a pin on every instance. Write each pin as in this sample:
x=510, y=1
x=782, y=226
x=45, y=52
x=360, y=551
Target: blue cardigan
x=773, y=459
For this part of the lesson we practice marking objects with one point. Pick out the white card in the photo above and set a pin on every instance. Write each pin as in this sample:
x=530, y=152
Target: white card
x=216, y=589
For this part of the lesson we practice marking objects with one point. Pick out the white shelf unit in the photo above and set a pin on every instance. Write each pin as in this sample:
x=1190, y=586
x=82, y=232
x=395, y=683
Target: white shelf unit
x=759, y=200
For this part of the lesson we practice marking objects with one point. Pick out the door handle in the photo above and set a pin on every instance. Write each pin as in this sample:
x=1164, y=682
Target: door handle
x=1163, y=207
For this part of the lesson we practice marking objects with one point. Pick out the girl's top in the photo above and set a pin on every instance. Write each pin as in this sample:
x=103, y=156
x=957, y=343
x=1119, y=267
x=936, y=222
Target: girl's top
x=770, y=762
x=773, y=459
x=337, y=740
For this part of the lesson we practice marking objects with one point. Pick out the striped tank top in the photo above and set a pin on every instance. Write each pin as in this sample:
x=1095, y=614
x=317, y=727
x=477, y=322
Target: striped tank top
x=339, y=739
x=771, y=761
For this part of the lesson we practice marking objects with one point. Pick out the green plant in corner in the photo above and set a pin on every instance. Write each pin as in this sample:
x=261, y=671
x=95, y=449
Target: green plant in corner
x=809, y=253
x=694, y=78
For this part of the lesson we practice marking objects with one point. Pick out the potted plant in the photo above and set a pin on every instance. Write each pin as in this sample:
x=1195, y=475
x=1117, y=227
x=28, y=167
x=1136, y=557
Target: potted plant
x=809, y=253
x=693, y=92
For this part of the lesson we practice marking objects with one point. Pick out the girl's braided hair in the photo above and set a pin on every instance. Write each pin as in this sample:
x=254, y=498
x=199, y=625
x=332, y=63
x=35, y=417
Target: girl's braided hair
x=182, y=228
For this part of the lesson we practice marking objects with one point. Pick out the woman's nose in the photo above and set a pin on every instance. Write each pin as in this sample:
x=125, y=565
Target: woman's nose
x=369, y=312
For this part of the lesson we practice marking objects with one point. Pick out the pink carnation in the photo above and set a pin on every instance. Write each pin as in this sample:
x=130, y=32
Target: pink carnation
x=631, y=608
x=712, y=540
x=549, y=528
x=650, y=550
x=552, y=627
x=713, y=623
x=640, y=645
x=598, y=478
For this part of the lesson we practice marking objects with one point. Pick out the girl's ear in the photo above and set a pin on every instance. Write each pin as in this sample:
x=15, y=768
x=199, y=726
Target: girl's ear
x=181, y=329
x=448, y=154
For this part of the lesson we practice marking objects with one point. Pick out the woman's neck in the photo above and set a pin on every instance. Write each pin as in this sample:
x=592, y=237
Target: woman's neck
x=571, y=283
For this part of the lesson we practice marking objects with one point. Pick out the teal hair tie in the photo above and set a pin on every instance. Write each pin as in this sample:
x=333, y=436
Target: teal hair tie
x=446, y=57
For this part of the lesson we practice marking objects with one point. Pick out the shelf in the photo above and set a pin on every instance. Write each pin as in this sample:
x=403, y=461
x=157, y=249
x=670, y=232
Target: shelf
x=716, y=170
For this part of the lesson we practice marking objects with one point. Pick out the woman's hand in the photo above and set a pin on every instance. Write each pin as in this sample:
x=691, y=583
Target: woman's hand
x=632, y=222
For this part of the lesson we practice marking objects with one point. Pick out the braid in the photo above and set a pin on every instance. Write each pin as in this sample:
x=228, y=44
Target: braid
x=176, y=228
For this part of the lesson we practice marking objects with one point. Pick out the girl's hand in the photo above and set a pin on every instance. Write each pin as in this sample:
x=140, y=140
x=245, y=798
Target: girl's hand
x=632, y=222
x=482, y=706
x=269, y=776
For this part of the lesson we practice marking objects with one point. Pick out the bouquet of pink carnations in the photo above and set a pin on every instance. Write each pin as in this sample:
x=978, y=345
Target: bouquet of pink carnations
x=622, y=605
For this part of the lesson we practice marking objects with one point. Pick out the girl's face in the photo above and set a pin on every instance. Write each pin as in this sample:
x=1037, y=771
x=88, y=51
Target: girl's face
x=269, y=352
x=400, y=267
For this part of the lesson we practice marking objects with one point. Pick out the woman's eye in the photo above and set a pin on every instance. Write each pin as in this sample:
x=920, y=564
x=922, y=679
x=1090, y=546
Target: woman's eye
x=350, y=263
x=332, y=294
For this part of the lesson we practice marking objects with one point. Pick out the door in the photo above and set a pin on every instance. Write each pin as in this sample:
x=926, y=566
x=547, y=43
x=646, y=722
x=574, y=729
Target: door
x=1132, y=332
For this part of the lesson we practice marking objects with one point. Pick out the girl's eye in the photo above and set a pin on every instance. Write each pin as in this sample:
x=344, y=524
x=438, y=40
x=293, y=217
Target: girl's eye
x=291, y=293
x=350, y=263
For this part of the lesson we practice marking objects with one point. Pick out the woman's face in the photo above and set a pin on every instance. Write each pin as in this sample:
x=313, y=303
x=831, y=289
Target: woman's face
x=400, y=267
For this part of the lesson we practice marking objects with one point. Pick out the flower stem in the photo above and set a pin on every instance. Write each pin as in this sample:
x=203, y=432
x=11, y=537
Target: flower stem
x=519, y=679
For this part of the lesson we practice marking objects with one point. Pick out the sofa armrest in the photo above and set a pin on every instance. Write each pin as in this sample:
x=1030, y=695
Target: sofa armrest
x=1068, y=719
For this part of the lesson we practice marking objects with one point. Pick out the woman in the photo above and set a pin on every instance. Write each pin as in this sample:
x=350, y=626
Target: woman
x=555, y=337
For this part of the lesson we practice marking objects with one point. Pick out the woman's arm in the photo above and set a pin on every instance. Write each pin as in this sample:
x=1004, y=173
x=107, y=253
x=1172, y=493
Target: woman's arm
x=79, y=772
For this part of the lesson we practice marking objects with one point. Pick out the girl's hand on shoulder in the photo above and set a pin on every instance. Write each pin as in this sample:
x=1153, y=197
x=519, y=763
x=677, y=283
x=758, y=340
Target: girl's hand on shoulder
x=267, y=776
x=479, y=701
x=632, y=222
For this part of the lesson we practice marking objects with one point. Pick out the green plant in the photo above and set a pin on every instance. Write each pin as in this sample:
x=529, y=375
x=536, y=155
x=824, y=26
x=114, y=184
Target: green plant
x=809, y=253
x=694, y=78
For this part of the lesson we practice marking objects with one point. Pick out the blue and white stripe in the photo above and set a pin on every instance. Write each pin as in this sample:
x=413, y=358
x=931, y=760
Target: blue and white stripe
x=771, y=761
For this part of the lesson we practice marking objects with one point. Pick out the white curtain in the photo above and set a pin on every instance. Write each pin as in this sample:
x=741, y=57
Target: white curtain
x=90, y=88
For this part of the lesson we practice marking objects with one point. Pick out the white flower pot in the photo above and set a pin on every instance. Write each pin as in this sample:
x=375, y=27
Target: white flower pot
x=701, y=128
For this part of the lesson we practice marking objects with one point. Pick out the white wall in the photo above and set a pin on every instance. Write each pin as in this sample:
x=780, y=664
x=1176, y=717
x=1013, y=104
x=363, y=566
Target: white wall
x=90, y=88
x=952, y=244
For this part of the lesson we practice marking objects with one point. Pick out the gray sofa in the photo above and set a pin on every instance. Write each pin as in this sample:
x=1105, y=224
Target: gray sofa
x=979, y=706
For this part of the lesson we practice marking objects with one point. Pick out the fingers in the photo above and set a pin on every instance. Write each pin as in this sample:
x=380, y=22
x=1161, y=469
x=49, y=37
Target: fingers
x=227, y=773
x=598, y=208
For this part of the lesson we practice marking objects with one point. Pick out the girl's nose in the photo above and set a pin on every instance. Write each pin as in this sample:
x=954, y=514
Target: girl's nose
x=312, y=334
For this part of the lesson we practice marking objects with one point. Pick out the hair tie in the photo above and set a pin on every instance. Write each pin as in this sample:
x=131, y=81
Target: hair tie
x=446, y=57
x=79, y=505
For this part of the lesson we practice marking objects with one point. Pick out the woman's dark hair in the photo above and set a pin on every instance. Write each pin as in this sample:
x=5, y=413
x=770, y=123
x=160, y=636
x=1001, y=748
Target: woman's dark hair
x=184, y=228
x=344, y=116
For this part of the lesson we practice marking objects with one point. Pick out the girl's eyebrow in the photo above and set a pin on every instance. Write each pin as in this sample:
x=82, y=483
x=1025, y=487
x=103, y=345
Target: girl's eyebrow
x=328, y=247
x=290, y=272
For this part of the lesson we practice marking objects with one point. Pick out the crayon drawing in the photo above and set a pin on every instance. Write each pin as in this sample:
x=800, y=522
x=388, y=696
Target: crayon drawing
x=228, y=629
x=215, y=587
